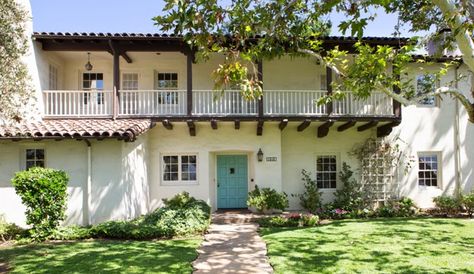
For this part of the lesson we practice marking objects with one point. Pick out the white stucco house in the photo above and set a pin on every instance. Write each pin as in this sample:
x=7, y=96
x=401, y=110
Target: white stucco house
x=141, y=124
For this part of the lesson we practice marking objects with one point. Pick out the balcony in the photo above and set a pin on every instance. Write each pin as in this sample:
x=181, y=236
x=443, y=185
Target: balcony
x=205, y=103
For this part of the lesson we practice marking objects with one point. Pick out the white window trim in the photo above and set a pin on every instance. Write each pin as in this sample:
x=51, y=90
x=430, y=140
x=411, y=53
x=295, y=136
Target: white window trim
x=23, y=154
x=166, y=72
x=129, y=72
x=56, y=71
x=178, y=182
x=440, y=168
x=338, y=168
x=436, y=99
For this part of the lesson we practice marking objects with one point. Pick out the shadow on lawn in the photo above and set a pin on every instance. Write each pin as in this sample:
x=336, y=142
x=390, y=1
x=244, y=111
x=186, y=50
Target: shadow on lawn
x=102, y=256
x=381, y=245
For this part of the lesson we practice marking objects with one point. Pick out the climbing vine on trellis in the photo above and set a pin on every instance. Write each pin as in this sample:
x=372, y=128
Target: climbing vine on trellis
x=379, y=160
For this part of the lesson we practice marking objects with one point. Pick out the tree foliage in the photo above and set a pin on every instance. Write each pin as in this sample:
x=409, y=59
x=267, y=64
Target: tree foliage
x=15, y=89
x=248, y=31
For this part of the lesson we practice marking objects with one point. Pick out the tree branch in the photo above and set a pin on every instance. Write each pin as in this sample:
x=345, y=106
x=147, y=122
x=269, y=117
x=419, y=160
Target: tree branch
x=321, y=60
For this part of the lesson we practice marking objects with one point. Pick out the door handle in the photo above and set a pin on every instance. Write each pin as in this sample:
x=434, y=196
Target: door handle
x=218, y=185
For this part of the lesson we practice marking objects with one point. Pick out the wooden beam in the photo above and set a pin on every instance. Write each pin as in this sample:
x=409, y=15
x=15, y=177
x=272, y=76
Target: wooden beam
x=237, y=124
x=397, y=106
x=304, y=125
x=167, y=124
x=116, y=77
x=283, y=124
x=346, y=126
x=192, y=127
x=214, y=124
x=323, y=129
x=367, y=126
x=386, y=129
x=260, y=128
x=260, y=78
x=126, y=57
x=329, y=107
x=189, y=82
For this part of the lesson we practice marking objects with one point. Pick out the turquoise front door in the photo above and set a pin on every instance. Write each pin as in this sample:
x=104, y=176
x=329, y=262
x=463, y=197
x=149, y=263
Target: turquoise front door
x=232, y=185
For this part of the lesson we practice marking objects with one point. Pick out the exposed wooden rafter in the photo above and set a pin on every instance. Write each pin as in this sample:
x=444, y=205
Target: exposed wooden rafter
x=192, y=127
x=283, y=124
x=260, y=128
x=237, y=124
x=214, y=124
x=126, y=57
x=304, y=125
x=386, y=129
x=346, y=126
x=323, y=129
x=367, y=126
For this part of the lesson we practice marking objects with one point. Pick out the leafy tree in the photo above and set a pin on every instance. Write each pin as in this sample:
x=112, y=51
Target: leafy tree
x=298, y=27
x=15, y=89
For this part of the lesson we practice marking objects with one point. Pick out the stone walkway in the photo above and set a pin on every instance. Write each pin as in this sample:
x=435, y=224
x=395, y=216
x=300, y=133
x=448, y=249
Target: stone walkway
x=232, y=245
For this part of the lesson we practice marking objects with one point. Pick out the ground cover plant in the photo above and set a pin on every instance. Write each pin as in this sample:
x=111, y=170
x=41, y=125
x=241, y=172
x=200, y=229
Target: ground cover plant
x=266, y=199
x=394, y=245
x=102, y=256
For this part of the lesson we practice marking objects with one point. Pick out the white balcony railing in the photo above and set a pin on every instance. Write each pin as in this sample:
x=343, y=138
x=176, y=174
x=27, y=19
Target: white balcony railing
x=377, y=104
x=78, y=103
x=208, y=102
x=293, y=102
x=95, y=103
x=152, y=102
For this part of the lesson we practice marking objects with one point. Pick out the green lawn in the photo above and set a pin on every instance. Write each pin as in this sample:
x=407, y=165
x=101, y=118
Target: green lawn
x=167, y=256
x=371, y=246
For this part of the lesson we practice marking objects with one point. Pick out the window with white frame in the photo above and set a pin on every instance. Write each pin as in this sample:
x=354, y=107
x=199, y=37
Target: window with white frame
x=426, y=83
x=167, y=81
x=93, y=83
x=428, y=169
x=326, y=171
x=53, y=77
x=130, y=81
x=34, y=157
x=179, y=168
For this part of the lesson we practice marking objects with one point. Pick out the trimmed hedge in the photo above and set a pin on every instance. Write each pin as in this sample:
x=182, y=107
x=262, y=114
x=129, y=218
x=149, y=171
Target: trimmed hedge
x=43, y=192
x=291, y=220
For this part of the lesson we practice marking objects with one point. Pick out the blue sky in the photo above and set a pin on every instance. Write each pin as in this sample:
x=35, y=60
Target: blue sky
x=135, y=16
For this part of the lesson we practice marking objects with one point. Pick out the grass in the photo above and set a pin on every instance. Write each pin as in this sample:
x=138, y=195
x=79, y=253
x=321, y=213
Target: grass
x=101, y=256
x=374, y=246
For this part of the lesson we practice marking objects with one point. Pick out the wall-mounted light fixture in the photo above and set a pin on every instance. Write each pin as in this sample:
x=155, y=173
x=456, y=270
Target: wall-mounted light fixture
x=88, y=65
x=260, y=155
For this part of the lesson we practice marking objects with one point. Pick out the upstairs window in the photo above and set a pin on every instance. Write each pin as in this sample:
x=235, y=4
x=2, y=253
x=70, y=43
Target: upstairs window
x=167, y=82
x=428, y=169
x=93, y=82
x=426, y=83
x=326, y=171
x=53, y=77
x=34, y=158
x=130, y=81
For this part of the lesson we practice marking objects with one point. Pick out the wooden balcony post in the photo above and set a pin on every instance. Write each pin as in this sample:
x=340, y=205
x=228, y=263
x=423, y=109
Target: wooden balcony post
x=260, y=78
x=329, y=106
x=397, y=106
x=189, y=81
x=116, y=78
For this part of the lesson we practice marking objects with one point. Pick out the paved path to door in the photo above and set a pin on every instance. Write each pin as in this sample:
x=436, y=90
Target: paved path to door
x=232, y=245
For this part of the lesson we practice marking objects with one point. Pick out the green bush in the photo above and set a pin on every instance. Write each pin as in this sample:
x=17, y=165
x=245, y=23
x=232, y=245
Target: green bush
x=73, y=232
x=9, y=231
x=447, y=205
x=350, y=197
x=291, y=220
x=267, y=198
x=404, y=207
x=311, y=197
x=181, y=215
x=43, y=192
x=468, y=203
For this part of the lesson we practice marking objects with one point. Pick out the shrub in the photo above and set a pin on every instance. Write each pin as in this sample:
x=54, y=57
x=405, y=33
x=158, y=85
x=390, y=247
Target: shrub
x=267, y=198
x=468, y=203
x=181, y=215
x=404, y=207
x=311, y=197
x=73, y=232
x=350, y=197
x=9, y=231
x=43, y=192
x=291, y=220
x=447, y=205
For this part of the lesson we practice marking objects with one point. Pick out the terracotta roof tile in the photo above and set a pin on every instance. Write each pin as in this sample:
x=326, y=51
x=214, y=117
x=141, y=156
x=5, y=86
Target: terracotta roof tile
x=122, y=129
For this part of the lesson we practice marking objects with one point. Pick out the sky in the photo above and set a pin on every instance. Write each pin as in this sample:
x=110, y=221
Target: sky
x=136, y=16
